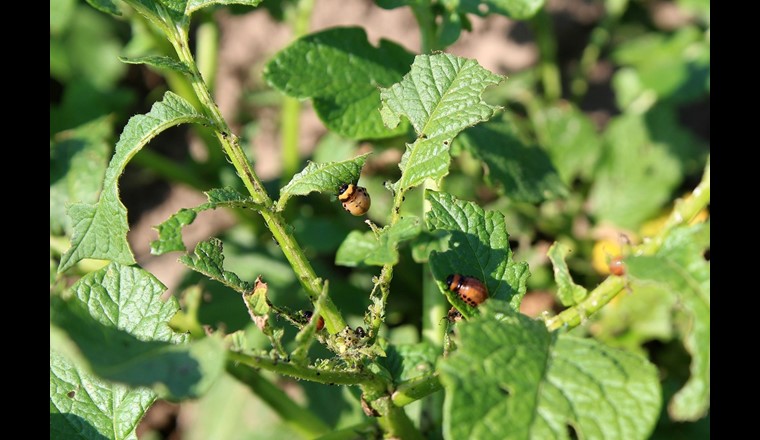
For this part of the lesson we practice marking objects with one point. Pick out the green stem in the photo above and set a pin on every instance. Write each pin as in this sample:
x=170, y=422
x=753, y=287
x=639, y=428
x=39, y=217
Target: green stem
x=207, y=50
x=547, y=47
x=297, y=417
x=683, y=212
x=290, y=115
x=330, y=377
x=395, y=422
x=276, y=224
x=414, y=389
x=426, y=22
x=598, y=39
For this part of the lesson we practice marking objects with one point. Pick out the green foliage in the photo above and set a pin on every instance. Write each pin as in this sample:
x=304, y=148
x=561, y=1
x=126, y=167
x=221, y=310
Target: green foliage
x=322, y=177
x=681, y=271
x=100, y=229
x=440, y=96
x=347, y=98
x=568, y=292
x=491, y=171
x=478, y=246
x=511, y=378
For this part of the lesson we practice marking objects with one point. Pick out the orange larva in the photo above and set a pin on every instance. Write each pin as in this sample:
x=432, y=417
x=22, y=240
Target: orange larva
x=320, y=322
x=617, y=267
x=471, y=290
x=355, y=199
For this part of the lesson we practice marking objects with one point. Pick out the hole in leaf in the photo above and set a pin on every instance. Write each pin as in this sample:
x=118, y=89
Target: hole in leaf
x=571, y=433
x=71, y=394
x=505, y=390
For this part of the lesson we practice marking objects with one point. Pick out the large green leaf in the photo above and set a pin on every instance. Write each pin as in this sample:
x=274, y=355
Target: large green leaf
x=85, y=406
x=441, y=96
x=77, y=165
x=523, y=171
x=170, y=231
x=511, y=379
x=341, y=72
x=679, y=267
x=118, y=324
x=100, y=229
x=377, y=250
x=478, y=247
x=322, y=177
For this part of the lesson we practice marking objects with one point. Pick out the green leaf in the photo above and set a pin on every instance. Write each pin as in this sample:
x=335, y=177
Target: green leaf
x=322, y=177
x=100, y=229
x=77, y=166
x=680, y=268
x=88, y=51
x=571, y=141
x=209, y=260
x=517, y=9
x=160, y=62
x=525, y=172
x=568, y=292
x=106, y=6
x=119, y=326
x=427, y=242
x=170, y=231
x=675, y=67
x=636, y=175
x=377, y=250
x=84, y=406
x=194, y=5
x=512, y=379
x=440, y=96
x=341, y=71
x=478, y=247
x=407, y=361
x=61, y=12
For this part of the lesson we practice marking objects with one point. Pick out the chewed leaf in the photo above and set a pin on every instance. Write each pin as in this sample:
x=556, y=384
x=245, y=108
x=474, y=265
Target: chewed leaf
x=341, y=71
x=194, y=5
x=478, y=247
x=85, y=406
x=117, y=326
x=100, y=229
x=170, y=231
x=511, y=379
x=680, y=268
x=160, y=62
x=209, y=260
x=322, y=177
x=568, y=292
x=440, y=96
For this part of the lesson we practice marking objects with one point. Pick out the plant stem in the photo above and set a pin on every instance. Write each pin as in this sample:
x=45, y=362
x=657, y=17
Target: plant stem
x=547, y=48
x=330, y=377
x=290, y=113
x=426, y=22
x=408, y=391
x=276, y=224
x=299, y=418
x=684, y=210
x=395, y=422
